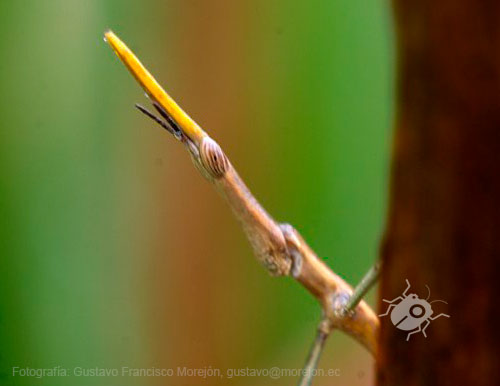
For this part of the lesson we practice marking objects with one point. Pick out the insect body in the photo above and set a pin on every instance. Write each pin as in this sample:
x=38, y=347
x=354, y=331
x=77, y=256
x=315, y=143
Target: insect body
x=410, y=313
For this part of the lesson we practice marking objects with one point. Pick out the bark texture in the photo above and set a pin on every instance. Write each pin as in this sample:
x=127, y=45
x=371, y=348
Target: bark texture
x=443, y=228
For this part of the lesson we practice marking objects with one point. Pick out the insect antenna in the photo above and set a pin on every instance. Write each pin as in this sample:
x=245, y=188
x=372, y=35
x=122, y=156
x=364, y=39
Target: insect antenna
x=148, y=113
x=429, y=292
x=442, y=301
x=168, y=125
x=168, y=118
x=161, y=110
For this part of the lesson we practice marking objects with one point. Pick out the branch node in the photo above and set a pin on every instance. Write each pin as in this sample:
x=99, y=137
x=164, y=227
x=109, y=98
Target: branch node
x=339, y=301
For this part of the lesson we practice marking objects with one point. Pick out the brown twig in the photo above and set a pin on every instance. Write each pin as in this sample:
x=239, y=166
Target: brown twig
x=279, y=247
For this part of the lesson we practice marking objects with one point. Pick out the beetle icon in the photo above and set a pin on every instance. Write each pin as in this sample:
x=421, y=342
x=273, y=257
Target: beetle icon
x=411, y=313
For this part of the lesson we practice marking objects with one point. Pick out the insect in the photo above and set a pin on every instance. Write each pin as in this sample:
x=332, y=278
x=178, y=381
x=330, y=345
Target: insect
x=411, y=313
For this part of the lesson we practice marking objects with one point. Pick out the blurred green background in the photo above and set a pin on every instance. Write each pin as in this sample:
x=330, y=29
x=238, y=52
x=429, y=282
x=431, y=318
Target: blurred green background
x=114, y=251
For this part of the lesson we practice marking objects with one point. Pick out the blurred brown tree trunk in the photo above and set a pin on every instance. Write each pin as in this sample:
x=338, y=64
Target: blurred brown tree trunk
x=444, y=219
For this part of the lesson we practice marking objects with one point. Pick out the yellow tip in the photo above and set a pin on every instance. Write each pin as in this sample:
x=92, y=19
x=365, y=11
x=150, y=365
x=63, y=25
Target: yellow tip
x=153, y=89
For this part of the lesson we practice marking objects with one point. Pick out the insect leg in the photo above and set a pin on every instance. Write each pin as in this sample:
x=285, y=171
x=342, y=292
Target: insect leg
x=393, y=300
x=407, y=287
x=427, y=322
x=414, y=332
x=437, y=316
x=388, y=309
